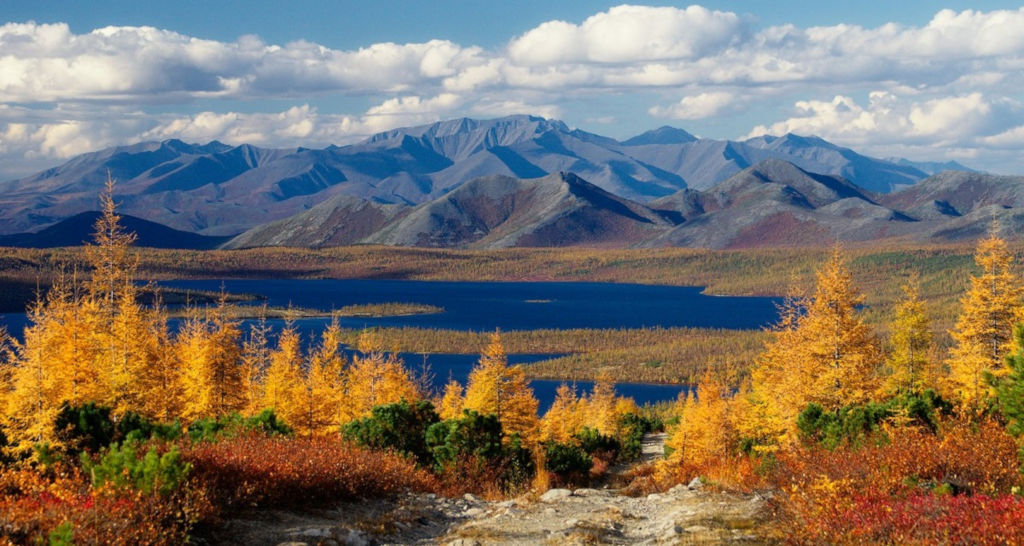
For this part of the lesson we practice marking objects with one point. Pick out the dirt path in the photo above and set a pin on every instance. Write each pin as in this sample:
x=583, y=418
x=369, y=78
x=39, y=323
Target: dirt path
x=683, y=515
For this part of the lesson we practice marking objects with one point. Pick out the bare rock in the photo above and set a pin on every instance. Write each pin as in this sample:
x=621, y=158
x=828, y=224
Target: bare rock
x=555, y=495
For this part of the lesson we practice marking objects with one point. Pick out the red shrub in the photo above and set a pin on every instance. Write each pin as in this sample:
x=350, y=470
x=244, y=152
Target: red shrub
x=919, y=487
x=257, y=470
x=32, y=505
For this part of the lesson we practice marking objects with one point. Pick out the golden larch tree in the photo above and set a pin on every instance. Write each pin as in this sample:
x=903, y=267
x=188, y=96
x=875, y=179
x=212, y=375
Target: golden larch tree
x=909, y=361
x=706, y=430
x=375, y=378
x=283, y=379
x=565, y=417
x=983, y=335
x=322, y=388
x=821, y=351
x=495, y=387
x=450, y=405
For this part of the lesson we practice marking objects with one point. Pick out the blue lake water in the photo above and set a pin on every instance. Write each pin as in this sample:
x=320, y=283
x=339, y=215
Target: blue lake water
x=513, y=305
x=505, y=305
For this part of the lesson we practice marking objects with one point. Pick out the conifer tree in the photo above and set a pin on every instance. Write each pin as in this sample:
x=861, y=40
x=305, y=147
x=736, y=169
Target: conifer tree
x=565, y=417
x=706, y=430
x=984, y=330
x=255, y=361
x=160, y=385
x=283, y=378
x=911, y=343
x=821, y=352
x=375, y=378
x=600, y=407
x=322, y=389
x=495, y=388
x=450, y=406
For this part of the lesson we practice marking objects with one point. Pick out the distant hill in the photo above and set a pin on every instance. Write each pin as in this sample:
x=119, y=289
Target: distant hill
x=773, y=203
x=218, y=190
x=78, y=229
x=488, y=212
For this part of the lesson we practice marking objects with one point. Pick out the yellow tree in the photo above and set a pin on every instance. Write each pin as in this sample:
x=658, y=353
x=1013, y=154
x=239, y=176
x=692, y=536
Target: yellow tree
x=450, y=405
x=565, y=417
x=496, y=388
x=911, y=342
x=374, y=378
x=255, y=361
x=706, y=430
x=984, y=331
x=211, y=374
x=161, y=383
x=600, y=409
x=322, y=389
x=283, y=379
x=821, y=352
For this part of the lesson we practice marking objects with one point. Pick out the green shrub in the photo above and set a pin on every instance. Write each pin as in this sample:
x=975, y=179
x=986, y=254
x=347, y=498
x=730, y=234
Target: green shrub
x=569, y=463
x=232, y=424
x=121, y=466
x=472, y=435
x=85, y=428
x=401, y=427
x=853, y=424
x=593, y=442
x=632, y=428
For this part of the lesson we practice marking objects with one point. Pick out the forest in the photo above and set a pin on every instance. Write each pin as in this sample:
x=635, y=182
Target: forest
x=860, y=426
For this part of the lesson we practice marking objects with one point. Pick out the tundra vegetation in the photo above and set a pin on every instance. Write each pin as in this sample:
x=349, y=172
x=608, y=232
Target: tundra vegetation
x=115, y=428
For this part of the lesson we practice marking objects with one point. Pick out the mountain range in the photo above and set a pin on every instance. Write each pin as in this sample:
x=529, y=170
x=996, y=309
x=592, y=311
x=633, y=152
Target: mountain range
x=516, y=181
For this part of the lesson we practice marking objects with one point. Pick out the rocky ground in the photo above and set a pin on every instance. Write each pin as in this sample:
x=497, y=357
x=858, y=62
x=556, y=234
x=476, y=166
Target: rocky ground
x=687, y=514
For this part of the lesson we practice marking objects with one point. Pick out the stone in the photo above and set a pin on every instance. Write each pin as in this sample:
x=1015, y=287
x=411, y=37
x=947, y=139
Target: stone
x=696, y=529
x=464, y=542
x=474, y=512
x=555, y=495
x=654, y=497
x=695, y=483
x=352, y=537
x=469, y=497
x=677, y=489
x=551, y=511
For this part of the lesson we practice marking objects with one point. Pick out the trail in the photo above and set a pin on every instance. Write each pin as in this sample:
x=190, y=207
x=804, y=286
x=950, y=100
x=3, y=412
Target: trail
x=683, y=515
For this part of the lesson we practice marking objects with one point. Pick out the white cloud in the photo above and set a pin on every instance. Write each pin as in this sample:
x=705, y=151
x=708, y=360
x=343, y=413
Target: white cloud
x=704, y=105
x=628, y=34
x=955, y=80
x=960, y=126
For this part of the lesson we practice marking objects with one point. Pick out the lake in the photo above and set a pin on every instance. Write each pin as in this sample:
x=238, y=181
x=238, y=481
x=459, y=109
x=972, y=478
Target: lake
x=505, y=305
x=512, y=305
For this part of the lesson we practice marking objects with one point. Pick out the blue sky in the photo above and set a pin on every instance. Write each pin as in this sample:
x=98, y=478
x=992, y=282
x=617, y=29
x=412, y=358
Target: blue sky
x=924, y=80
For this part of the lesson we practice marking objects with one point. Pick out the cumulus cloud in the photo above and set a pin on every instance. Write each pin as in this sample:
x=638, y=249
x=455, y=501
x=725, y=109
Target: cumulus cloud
x=954, y=79
x=703, y=105
x=961, y=126
x=629, y=34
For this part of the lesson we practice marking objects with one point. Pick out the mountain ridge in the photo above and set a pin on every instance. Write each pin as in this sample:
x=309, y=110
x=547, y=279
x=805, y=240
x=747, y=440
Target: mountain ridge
x=221, y=190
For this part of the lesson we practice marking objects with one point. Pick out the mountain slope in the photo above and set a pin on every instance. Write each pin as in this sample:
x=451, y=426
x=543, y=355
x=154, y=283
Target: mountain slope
x=217, y=189
x=497, y=211
x=78, y=229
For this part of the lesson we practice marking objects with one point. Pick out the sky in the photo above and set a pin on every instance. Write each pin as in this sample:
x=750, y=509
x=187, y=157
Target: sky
x=929, y=81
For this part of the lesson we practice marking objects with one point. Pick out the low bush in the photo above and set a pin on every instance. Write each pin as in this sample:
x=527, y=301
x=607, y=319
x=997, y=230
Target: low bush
x=37, y=507
x=569, y=463
x=124, y=466
x=471, y=454
x=400, y=427
x=257, y=470
x=232, y=424
x=856, y=423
